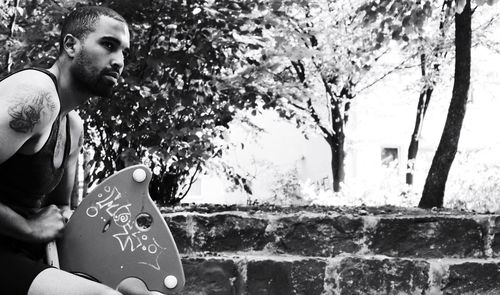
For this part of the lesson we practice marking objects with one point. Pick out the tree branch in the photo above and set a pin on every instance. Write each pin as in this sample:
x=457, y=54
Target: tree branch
x=191, y=181
x=396, y=68
x=12, y=24
x=317, y=120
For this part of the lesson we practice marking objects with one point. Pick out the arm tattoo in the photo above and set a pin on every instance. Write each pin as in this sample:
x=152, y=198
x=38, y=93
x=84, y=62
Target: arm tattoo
x=25, y=115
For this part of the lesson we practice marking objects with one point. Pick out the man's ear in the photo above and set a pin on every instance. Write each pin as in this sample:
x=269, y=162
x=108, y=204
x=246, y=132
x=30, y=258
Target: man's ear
x=70, y=45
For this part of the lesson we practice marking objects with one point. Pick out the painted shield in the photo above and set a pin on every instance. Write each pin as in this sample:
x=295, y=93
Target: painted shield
x=117, y=232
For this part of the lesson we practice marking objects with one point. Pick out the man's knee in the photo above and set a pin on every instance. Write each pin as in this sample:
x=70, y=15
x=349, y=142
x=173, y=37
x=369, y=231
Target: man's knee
x=110, y=292
x=47, y=283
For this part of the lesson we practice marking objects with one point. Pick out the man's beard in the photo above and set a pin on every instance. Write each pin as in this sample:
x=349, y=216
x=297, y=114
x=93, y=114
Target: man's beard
x=89, y=79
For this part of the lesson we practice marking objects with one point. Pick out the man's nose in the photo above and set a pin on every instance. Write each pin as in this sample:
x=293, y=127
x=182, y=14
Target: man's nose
x=118, y=62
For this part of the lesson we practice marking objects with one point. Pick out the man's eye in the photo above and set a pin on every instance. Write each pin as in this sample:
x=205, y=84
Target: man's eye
x=108, y=45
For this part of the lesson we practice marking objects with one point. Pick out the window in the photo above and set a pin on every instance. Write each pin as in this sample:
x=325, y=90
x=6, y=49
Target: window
x=389, y=156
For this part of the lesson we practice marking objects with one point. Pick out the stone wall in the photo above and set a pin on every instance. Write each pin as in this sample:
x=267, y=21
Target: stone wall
x=336, y=251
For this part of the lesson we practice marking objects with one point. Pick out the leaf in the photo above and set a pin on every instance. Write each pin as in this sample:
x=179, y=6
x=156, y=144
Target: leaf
x=406, y=22
x=380, y=38
x=196, y=11
x=276, y=4
x=396, y=32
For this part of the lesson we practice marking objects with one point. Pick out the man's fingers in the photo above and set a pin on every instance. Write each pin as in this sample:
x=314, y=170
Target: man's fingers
x=66, y=213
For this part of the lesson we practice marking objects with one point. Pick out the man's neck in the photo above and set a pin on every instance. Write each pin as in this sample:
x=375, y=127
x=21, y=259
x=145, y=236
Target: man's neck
x=70, y=96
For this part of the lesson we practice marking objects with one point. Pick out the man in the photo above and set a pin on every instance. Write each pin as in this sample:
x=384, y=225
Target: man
x=39, y=146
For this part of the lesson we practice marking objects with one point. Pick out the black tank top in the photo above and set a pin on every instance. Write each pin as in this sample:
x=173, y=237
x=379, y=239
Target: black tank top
x=26, y=179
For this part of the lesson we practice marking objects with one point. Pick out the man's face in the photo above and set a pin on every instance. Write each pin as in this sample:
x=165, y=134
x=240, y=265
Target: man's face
x=99, y=62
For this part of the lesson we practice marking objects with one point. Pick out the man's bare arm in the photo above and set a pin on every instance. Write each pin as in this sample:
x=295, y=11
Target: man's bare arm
x=45, y=226
x=28, y=107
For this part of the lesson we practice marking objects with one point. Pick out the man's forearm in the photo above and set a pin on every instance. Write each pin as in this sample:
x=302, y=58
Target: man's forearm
x=44, y=226
x=13, y=225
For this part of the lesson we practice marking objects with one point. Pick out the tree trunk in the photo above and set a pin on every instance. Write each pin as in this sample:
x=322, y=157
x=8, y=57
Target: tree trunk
x=433, y=193
x=12, y=24
x=163, y=188
x=338, y=156
x=336, y=136
x=336, y=143
x=423, y=103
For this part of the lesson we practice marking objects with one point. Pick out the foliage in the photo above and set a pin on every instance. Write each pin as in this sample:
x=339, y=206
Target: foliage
x=474, y=175
x=473, y=185
x=385, y=189
x=287, y=189
x=460, y=4
x=23, y=44
x=173, y=107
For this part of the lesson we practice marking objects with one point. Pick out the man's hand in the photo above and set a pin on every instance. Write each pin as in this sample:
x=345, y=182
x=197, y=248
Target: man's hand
x=46, y=225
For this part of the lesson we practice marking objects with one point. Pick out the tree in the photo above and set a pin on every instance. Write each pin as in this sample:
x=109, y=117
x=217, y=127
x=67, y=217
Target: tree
x=439, y=51
x=317, y=63
x=411, y=24
x=430, y=71
x=433, y=193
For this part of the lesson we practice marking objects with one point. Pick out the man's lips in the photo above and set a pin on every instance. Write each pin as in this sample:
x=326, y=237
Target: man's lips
x=112, y=74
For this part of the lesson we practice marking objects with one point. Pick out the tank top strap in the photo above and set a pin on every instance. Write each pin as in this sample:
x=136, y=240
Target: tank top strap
x=67, y=145
x=49, y=73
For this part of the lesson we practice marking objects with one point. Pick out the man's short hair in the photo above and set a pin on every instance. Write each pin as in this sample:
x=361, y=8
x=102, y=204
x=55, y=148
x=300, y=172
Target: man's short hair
x=81, y=22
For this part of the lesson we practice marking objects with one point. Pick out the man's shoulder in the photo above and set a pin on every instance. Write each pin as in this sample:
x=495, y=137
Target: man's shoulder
x=27, y=84
x=29, y=98
x=29, y=78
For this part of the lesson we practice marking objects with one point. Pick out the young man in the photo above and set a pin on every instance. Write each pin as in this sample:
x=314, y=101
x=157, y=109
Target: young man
x=39, y=146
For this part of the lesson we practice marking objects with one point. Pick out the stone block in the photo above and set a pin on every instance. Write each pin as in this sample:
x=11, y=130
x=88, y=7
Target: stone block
x=318, y=236
x=211, y=277
x=495, y=245
x=217, y=233
x=227, y=232
x=352, y=276
x=269, y=277
x=429, y=237
x=308, y=277
x=494, y=230
x=178, y=225
x=302, y=277
x=473, y=278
